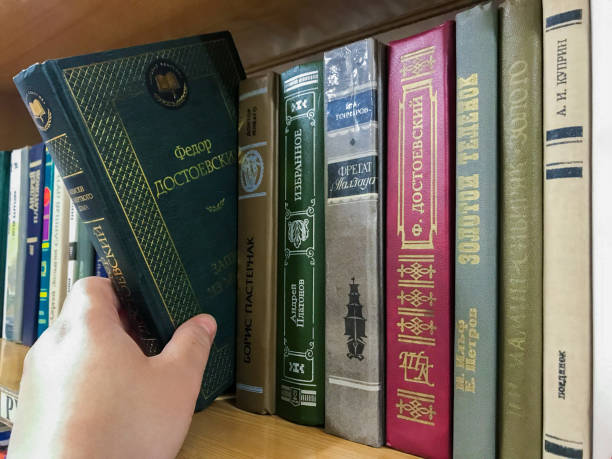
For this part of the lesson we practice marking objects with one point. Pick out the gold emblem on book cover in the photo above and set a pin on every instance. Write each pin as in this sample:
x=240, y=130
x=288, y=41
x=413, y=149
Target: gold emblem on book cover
x=41, y=113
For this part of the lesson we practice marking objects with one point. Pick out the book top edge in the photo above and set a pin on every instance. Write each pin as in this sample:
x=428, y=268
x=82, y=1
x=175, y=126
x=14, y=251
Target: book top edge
x=118, y=53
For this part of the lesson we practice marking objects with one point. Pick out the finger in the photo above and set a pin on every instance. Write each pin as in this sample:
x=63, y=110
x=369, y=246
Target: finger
x=187, y=352
x=91, y=296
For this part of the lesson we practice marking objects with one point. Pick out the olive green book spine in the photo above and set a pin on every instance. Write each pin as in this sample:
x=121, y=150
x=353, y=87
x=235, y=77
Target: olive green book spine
x=520, y=373
x=567, y=230
x=301, y=247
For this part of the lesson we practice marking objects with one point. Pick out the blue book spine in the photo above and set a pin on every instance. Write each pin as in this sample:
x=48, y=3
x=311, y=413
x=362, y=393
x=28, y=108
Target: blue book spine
x=99, y=267
x=45, y=251
x=31, y=281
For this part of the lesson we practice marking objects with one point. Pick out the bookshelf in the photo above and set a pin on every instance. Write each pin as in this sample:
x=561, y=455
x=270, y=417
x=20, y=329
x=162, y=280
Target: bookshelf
x=268, y=36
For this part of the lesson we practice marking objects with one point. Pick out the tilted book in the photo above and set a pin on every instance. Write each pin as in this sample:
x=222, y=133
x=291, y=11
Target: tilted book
x=45, y=251
x=257, y=239
x=355, y=81
x=145, y=140
x=567, y=229
x=520, y=315
x=58, y=266
x=5, y=174
x=601, y=37
x=420, y=239
x=16, y=246
x=301, y=247
x=31, y=291
x=476, y=235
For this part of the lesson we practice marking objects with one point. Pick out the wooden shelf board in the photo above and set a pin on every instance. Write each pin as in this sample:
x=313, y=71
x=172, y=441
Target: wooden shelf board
x=11, y=364
x=224, y=431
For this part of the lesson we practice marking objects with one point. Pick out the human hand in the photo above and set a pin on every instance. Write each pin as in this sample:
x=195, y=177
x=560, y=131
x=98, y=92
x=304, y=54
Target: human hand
x=87, y=389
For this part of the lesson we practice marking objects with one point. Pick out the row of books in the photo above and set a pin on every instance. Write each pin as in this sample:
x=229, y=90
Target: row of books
x=409, y=218
x=44, y=247
x=393, y=280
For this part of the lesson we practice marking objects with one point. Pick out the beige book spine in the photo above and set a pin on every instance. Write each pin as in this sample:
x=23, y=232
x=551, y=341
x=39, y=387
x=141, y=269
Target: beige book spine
x=59, y=248
x=567, y=219
x=257, y=242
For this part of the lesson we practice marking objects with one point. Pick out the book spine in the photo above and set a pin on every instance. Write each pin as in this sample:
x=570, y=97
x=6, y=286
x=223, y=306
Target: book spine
x=45, y=251
x=567, y=229
x=601, y=18
x=5, y=174
x=53, y=115
x=476, y=235
x=31, y=294
x=520, y=356
x=257, y=239
x=85, y=252
x=99, y=267
x=420, y=238
x=72, y=274
x=59, y=248
x=354, y=302
x=301, y=247
x=15, y=247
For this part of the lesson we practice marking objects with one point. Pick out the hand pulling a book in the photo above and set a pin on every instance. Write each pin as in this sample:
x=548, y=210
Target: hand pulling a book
x=87, y=387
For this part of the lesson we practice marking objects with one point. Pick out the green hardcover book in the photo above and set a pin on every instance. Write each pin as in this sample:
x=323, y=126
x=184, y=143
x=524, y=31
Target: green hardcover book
x=301, y=247
x=145, y=140
x=5, y=168
x=476, y=262
x=520, y=373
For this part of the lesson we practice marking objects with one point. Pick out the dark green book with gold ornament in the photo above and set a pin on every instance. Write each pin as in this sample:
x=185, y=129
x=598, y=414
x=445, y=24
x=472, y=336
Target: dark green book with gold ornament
x=301, y=247
x=145, y=140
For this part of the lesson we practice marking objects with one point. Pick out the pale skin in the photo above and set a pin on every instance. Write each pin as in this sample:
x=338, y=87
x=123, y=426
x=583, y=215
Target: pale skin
x=87, y=389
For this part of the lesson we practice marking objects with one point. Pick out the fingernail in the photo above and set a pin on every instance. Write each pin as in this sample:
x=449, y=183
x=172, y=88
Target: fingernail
x=209, y=323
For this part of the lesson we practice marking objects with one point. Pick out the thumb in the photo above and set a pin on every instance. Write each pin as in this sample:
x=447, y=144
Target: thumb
x=187, y=352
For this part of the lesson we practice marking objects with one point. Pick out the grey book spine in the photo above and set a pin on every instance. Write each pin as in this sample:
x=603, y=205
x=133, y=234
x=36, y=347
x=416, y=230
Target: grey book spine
x=476, y=246
x=354, y=323
x=16, y=245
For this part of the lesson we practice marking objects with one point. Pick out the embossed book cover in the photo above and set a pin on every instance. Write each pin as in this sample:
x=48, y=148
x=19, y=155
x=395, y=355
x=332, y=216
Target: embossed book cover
x=145, y=140
x=355, y=79
x=519, y=420
x=301, y=247
x=257, y=239
x=420, y=237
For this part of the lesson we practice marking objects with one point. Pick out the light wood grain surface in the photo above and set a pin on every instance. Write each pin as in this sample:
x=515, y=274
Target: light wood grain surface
x=224, y=431
x=11, y=364
x=267, y=33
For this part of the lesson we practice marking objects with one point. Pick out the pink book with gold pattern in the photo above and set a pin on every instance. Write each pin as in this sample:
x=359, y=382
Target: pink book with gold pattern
x=420, y=235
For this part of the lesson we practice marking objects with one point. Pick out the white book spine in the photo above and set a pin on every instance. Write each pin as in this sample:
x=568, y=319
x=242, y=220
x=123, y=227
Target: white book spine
x=15, y=250
x=73, y=231
x=59, y=248
x=601, y=40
